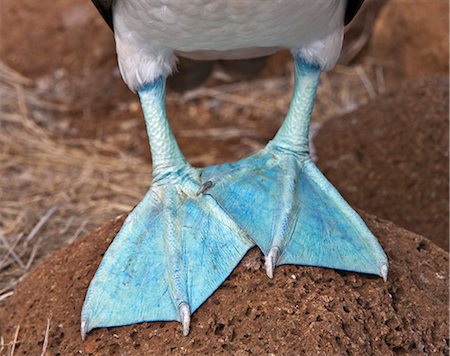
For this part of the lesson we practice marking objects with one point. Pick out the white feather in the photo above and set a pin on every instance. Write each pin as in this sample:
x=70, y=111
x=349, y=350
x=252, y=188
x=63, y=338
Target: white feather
x=149, y=33
x=324, y=52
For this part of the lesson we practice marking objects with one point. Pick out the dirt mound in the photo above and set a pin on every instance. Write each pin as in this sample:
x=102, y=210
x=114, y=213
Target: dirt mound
x=390, y=157
x=303, y=309
x=64, y=45
x=411, y=39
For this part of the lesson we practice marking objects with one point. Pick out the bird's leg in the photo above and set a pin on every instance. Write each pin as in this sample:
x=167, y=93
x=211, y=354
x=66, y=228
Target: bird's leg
x=294, y=132
x=174, y=249
x=292, y=136
x=166, y=155
x=280, y=198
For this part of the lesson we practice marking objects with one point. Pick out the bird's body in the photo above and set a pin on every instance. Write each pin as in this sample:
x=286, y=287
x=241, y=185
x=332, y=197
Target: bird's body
x=194, y=225
x=150, y=33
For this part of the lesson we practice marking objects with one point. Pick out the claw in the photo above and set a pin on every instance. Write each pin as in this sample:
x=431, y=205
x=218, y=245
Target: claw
x=384, y=272
x=184, y=314
x=271, y=260
x=84, y=329
x=204, y=187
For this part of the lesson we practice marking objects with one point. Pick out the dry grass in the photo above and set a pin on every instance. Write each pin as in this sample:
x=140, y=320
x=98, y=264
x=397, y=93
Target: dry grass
x=340, y=91
x=54, y=189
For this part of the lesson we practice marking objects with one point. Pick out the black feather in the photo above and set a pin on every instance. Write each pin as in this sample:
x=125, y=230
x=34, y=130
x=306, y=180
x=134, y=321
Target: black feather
x=352, y=8
x=105, y=9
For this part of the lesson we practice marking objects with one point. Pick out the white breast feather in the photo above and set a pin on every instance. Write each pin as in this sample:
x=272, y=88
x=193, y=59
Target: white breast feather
x=149, y=32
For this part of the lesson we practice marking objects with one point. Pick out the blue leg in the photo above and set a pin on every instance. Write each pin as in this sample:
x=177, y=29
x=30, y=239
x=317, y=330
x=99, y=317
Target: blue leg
x=287, y=206
x=174, y=249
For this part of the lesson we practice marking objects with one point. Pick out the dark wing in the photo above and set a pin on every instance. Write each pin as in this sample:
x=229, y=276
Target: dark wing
x=105, y=9
x=352, y=8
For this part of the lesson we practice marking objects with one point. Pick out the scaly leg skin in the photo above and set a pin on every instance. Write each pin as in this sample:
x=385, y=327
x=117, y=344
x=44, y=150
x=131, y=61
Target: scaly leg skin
x=280, y=198
x=174, y=249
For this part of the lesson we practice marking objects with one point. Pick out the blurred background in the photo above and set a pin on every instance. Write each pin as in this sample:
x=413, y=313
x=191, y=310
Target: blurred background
x=74, y=152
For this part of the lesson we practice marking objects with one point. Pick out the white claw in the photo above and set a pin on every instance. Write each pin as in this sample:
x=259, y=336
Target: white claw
x=384, y=272
x=184, y=314
x=271, y=260
x=83, y=329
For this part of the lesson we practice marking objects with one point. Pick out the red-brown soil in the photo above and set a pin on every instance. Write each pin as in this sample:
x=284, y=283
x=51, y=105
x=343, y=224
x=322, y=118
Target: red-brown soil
x=390, y=157
x=303, y=310
x=411, y=39
x=63, y=36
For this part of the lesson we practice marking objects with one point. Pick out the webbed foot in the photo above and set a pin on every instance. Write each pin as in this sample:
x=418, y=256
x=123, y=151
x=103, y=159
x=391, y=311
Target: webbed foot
x=294, y=214
x=173, y=251
x=280, y=198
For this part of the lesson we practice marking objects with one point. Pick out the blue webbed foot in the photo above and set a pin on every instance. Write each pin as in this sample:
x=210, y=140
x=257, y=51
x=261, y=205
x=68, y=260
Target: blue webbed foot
x=293, y=213
x=173, y=251
x=280, y=198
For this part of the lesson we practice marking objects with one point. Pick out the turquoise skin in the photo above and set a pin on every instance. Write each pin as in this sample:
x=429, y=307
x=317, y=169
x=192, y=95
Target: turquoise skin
x=194, y=225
